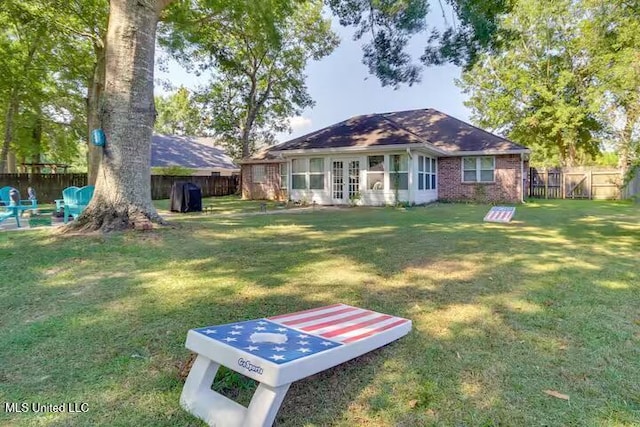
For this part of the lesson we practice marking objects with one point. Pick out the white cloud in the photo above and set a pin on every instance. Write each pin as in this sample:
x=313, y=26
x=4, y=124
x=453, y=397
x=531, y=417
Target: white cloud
x=299, y=123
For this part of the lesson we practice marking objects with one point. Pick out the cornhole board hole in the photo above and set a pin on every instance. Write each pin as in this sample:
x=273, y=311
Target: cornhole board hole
x=277, y=351
x=500, y=214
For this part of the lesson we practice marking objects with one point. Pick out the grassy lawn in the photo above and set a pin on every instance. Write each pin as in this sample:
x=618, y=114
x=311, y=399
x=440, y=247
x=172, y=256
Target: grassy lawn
x=501, y=313
x=226, y=205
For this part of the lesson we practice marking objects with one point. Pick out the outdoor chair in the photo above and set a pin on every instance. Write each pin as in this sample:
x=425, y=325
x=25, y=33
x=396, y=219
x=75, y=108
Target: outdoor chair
x=75, y=200
x=13, y=206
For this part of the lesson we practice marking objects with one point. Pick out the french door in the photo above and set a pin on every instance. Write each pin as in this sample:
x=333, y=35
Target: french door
x=345, y=181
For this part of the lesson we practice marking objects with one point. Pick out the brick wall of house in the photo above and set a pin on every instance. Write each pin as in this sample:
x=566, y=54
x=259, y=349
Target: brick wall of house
x=506, y=188
x=269, y=189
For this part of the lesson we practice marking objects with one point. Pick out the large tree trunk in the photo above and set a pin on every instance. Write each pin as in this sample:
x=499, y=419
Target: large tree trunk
x=122, y=197
x=12, y=110
x=625, y=144
x=94, y=95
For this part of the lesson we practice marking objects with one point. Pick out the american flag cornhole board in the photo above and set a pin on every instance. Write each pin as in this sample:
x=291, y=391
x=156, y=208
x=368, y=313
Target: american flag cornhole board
x=277, y=351
x=500, y=214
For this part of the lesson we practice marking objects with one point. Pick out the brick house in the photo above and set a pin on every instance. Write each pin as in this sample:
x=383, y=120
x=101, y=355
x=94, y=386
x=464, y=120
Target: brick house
x=416, y=156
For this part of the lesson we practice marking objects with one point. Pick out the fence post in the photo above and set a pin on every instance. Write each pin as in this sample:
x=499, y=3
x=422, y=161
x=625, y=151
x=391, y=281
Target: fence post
x=546, y=183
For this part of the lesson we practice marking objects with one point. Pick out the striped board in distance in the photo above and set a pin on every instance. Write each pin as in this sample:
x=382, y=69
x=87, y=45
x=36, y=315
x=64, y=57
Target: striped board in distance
x=500, y=214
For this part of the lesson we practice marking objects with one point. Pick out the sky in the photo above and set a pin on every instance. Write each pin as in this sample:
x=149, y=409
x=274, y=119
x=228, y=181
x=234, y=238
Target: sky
x=342, y=87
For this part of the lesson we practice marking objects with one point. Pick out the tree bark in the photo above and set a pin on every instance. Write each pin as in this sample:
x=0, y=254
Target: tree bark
x=94, y=95
x=626, y=140
x=122, y=197
x=8, y=131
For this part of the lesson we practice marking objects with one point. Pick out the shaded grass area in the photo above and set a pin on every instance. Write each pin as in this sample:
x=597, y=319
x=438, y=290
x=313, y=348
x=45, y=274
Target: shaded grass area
x=225, y=205
x=501, y=313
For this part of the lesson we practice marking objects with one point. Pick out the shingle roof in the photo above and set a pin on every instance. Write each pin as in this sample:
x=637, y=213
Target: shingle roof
x=448, y=133
x=399, y=128
x=189, y=152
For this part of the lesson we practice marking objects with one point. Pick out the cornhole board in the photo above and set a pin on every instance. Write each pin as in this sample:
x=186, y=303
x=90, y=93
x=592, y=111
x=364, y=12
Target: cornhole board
x=500, y=214
x=277, y=351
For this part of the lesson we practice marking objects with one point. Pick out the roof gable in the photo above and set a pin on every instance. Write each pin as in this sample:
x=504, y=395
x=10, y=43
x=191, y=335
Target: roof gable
x=188, y=152
x=426, y=126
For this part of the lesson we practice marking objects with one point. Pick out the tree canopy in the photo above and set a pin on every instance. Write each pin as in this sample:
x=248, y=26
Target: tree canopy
x=564, y=83
x=256, y=58
x=178, y=114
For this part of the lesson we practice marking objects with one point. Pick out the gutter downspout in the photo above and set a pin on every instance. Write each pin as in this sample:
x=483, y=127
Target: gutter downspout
x=522, y=180
x=410, y=177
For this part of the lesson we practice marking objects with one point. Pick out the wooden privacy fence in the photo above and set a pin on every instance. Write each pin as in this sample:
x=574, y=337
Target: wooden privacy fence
x=210, y=185
x=575, y=183
x=49, y=186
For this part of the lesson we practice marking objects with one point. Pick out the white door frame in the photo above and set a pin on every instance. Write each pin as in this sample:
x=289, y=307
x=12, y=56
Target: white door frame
x=343, y=184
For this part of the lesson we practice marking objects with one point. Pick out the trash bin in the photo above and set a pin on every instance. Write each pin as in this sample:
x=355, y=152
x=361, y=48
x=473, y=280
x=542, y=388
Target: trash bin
x=185, y=197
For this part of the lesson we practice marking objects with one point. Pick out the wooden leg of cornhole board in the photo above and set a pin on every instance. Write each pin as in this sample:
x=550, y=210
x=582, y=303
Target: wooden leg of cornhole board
x=220, y=411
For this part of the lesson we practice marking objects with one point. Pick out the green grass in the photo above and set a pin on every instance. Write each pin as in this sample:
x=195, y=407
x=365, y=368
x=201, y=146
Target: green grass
x=500, y=313
x=226, y=205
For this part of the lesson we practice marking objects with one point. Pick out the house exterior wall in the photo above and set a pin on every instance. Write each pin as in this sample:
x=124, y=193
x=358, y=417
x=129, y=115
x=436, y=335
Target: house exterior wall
x=268, y=189
x=509, y=182
x=507, y=186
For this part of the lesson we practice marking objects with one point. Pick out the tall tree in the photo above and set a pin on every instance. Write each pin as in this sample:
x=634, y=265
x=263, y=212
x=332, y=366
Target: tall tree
x=538, y=91
x=257, y=54
x=45, y=76
x=122, y=197
x=178, y=114
x=76, y=31
x=611, y=38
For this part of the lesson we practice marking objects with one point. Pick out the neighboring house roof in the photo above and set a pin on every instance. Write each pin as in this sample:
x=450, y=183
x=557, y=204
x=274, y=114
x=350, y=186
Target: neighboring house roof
x=189, y=152
x=427, y=127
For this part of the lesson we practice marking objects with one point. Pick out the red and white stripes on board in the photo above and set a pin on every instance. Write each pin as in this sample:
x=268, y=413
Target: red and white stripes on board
x=340, y=322
x=500, y=214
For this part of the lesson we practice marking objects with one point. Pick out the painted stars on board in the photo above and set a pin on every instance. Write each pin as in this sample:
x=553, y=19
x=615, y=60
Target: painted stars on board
x=296, y=345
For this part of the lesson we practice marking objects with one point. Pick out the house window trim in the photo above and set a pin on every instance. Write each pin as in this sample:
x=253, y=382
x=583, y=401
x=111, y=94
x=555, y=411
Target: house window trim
x=284, y=178
x=305, y=173
x=321, y=173
x=254, y=175
x=384, y=172
x=391, y=171
x=478, y=169
x=432, y=174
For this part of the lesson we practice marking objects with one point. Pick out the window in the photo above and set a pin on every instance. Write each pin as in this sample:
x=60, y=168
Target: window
x=426, y=173
x=478, y=169
x=298, y=174
x=375, y=173
x=316, y=174
x=257, y=172
x=283, y=176
x=399, y=171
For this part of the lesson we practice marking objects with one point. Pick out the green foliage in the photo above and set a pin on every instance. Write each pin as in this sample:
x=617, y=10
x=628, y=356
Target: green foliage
x=46, y=63
x=611, y=37
x=257, y=54
x=389, y=26
x=178, y=114
x=566, y=82
x=537, y=92
x=172, y=171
